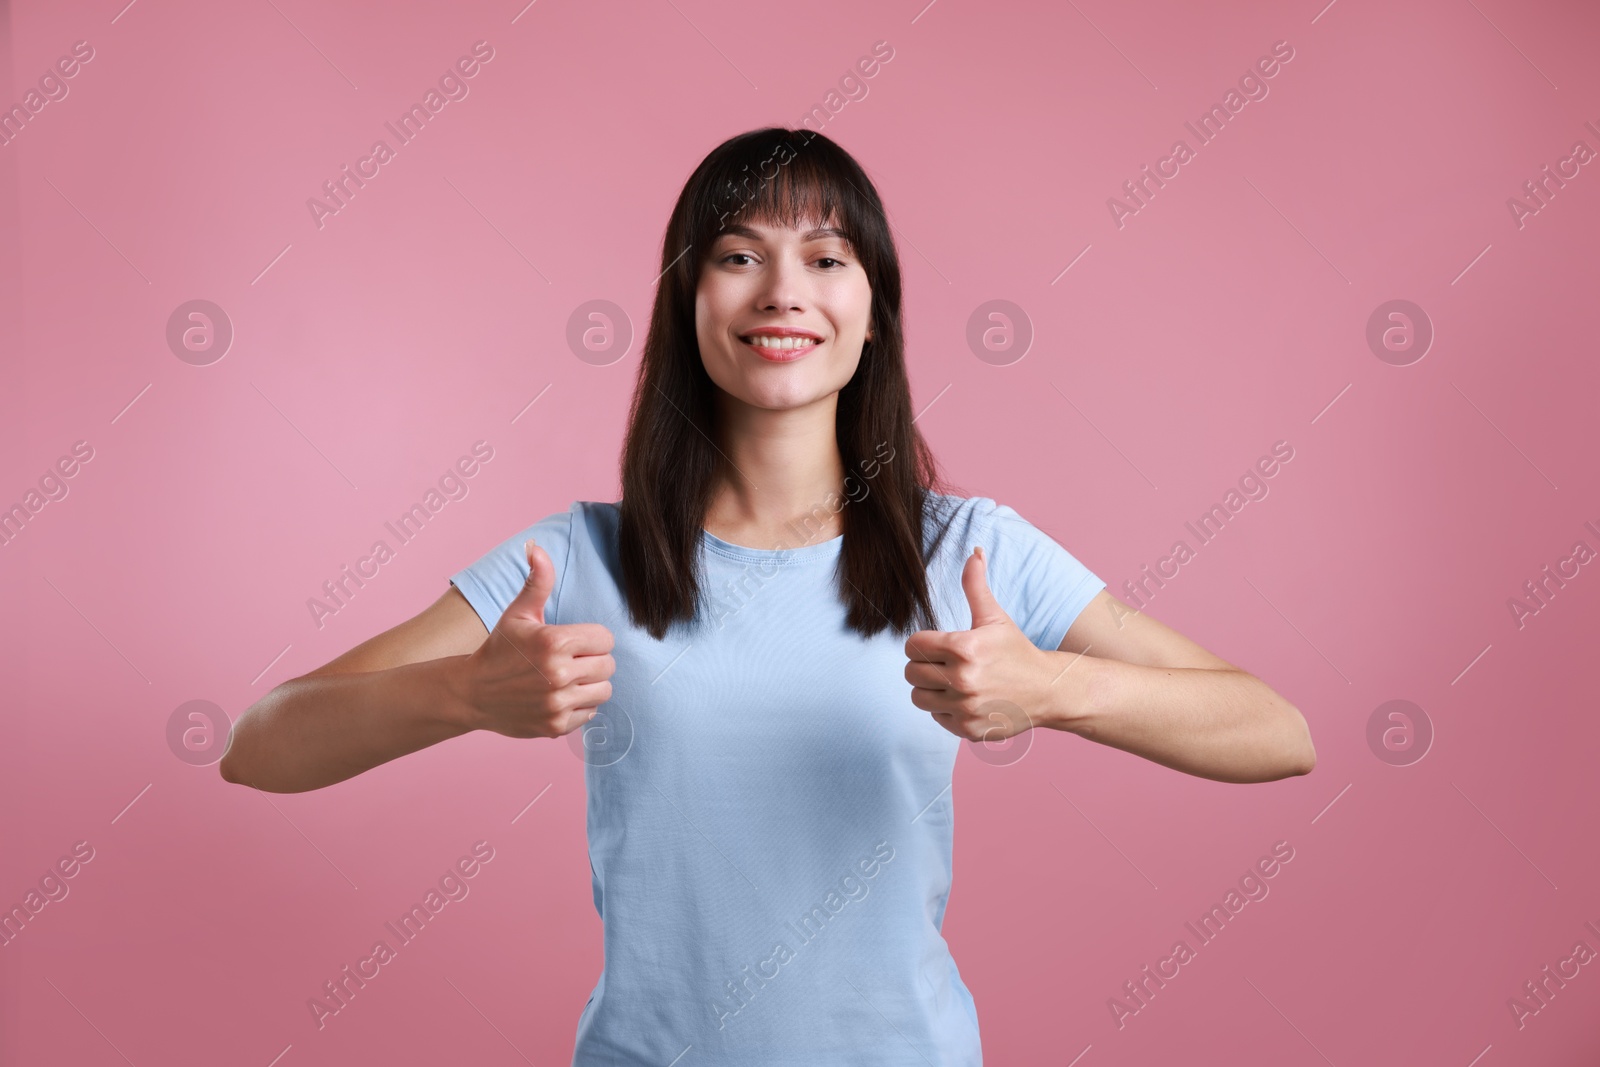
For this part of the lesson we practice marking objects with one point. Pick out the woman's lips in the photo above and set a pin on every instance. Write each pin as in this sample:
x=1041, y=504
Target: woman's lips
x=781, y=355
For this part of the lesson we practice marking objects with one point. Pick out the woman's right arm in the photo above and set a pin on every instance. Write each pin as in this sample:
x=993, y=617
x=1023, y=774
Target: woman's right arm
x=433, y=677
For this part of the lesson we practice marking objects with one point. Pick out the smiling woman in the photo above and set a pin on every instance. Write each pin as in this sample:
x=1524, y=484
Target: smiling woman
x=745, y=259
x=737, y=760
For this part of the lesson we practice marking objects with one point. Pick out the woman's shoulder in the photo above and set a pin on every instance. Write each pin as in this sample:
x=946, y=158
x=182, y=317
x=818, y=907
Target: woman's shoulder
x=580, y=521
x=593, y=512
x=952, y=523
x=953, y=509
x=598, y=523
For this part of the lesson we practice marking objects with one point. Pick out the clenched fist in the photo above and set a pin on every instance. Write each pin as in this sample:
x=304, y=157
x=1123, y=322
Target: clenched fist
x=534, y=679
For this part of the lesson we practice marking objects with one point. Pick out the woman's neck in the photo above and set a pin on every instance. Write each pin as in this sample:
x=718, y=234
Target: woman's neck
x=785, y=479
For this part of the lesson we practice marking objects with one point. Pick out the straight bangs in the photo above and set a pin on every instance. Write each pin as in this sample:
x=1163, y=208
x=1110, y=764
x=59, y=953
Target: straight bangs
x=786, y=181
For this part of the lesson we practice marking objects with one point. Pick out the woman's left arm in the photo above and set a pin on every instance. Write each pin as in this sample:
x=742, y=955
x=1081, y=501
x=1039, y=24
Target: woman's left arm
x=1126, y=680
x=1119, y=678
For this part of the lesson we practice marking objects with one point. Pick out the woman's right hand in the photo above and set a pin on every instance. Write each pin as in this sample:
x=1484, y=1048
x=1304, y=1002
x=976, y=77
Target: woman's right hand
x=535, y=679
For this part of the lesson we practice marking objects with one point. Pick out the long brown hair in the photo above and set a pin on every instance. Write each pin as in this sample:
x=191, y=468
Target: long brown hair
x=671, y=459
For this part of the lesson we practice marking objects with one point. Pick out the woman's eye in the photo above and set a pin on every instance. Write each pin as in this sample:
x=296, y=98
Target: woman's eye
x=827, y=262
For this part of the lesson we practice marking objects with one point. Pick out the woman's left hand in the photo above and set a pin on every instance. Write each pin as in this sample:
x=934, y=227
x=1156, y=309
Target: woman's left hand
x=983, y=684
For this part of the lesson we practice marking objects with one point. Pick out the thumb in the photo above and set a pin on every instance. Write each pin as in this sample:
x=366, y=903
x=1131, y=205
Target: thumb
x=986, y=610
x=530, y=599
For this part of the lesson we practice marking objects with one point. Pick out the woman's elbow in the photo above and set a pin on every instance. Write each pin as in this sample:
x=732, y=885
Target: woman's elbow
x=235, y=763
x=229, y=766
x=1302, y=754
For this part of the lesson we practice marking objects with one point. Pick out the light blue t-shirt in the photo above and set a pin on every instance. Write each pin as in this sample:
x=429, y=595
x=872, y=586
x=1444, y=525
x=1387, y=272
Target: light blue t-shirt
x=769, y=815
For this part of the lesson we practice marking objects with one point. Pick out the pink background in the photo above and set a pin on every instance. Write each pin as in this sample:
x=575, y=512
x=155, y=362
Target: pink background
x=1228, y=314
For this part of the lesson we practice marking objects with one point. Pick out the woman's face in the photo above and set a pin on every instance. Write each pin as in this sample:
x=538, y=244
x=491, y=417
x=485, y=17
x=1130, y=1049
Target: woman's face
x=764, y=286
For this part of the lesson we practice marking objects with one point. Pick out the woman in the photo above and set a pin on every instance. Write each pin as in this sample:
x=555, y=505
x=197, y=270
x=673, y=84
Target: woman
x=785, y=627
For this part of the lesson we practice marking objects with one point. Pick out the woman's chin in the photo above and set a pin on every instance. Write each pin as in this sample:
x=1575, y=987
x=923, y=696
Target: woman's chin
x=784, y=399
x=777, y=388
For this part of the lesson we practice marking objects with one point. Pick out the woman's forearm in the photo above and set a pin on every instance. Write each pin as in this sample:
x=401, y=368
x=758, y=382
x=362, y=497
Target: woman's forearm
x=1226, y=725
x=315, y=731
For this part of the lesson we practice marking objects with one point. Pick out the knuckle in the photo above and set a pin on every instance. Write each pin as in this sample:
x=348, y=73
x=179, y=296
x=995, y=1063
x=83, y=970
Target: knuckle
x=560, y=637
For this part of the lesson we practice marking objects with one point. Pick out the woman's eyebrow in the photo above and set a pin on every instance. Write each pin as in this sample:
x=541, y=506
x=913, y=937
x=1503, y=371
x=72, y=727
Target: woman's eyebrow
x=817, y=234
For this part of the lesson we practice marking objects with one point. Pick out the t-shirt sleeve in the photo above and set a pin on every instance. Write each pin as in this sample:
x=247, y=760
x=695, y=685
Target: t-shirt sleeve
x=498, y=576
x=1040, y=584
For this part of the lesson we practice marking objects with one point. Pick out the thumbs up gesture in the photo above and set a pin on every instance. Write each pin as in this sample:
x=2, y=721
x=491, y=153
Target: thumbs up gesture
x=534, y=679
x=978, y=683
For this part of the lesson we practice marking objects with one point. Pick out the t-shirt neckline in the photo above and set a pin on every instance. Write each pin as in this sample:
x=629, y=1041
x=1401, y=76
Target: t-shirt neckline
x=800, y=553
